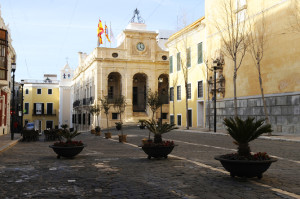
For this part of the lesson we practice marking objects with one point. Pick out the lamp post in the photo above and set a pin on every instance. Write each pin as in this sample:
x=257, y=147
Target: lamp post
x=13, y=69
x=216, y=66
x=22, y=99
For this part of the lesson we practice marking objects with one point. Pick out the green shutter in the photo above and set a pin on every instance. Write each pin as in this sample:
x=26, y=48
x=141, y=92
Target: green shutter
x=200, y=53
x=178, y=61
x=188, y=57
x=171, y=64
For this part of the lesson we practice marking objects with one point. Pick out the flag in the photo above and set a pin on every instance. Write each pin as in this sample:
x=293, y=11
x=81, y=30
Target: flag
x=100, y=32
x=106, y=33
x=100, y=40
x=112, y=37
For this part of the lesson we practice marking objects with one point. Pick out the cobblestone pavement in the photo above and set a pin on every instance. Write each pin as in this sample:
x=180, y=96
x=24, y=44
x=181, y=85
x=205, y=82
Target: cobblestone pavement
x=109, y=169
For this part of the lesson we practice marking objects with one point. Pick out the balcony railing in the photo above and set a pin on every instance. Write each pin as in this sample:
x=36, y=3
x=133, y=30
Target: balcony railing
x=43, y=113
x=76, y=103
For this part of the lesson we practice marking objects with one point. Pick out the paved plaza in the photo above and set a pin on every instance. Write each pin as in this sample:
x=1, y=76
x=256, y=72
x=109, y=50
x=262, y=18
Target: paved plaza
x=109, y=169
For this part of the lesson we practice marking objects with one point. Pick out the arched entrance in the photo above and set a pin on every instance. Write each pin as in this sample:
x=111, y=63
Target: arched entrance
x=139, y=92
x=114, y=89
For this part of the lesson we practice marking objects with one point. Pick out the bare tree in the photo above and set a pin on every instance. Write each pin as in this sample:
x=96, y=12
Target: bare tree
x=207, y=70
x=235, y=39
x=257, y=38
x=105, y=105
x=184, y=67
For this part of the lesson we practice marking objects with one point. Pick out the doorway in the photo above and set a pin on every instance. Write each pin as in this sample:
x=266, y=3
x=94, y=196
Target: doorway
x=190, y=117
x=200, y=111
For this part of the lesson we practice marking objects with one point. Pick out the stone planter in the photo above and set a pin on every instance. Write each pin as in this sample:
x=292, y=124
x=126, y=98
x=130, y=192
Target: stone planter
x=67, y=152
x=107, y=135
x=246, y=168
x=122, y=138
x=158, y=151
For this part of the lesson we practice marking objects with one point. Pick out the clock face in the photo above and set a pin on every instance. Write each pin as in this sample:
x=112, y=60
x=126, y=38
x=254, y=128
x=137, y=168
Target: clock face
x=140, y=46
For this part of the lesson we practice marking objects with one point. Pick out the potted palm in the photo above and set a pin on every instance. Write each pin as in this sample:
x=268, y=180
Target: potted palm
x=158, y=148
x=106, y=106
x=69, y=148
x=119, y=105
x=244, y=163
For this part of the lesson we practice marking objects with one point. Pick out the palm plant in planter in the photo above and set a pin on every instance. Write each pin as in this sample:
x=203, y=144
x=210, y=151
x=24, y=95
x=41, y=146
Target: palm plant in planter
x=244, y=163
x=68, y=148
x=106, y=106
x=158, y=148
x=120, y=105
x=95, y=110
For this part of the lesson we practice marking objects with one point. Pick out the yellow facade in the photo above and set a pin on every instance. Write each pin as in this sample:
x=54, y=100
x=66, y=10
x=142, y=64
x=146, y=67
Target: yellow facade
x=191, y=37
x=280, y=63
x=43, y=108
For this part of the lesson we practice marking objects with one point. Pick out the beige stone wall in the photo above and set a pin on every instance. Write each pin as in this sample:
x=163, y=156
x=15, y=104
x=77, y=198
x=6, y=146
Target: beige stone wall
x=129, y=62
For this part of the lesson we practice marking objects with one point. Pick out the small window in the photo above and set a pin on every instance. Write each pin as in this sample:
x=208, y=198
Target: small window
x=114, y=116
x=171, y=64
x=26, y=91
x=200, y=89
x=178, y=120
x=83, y=118
x=164, y=116
x=49, y=91
x=115, y=55
x=164, y=57
x=172, y=119
x=189, y=91
x=178, y=62
x=39, y=91
x=178, y=93
x=188, y=57
x=171, y=94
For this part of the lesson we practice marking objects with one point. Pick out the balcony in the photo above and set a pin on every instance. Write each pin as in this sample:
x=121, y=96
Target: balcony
x=76, y=103
x=42, y=113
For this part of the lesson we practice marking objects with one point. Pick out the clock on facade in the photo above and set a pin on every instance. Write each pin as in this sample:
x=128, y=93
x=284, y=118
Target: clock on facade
x=140, y=46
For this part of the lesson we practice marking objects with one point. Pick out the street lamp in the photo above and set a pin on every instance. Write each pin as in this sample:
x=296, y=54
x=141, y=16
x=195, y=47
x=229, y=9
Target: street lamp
x=13, y=69
x=22, y=99
x=216, y=66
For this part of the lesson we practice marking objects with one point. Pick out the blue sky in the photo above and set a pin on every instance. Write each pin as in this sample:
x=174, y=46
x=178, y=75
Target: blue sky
x=47, y=33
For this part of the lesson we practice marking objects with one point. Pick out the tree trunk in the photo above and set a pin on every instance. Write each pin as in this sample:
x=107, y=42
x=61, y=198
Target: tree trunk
x=107, y=122
x=121, y=124
x=234, y=90
x=157, y=138
x=263, y=96
x=187, y=107
x=243, y=149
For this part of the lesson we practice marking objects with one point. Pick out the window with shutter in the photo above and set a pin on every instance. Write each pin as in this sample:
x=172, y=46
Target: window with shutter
x=171, y=64
x=188, y=57
x=178, y=62
x=189, y=93
x=200, y=89
x=178, y=93
x=200, y=53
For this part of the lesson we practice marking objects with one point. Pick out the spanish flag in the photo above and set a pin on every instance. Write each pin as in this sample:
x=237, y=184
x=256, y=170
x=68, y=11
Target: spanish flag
x=106, y=33
x=100, y=32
